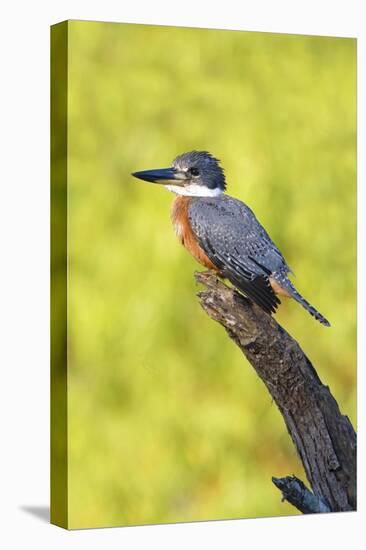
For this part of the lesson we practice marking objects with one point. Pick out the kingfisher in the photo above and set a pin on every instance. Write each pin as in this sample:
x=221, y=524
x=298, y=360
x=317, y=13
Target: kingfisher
x=223, y=234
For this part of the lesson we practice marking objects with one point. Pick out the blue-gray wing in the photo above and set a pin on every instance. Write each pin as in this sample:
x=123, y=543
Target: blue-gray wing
x=239, y=246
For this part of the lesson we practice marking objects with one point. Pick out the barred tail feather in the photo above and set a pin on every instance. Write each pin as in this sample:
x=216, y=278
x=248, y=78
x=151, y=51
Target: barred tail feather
x=315, y=313
x=311, y=309
x=289, y=287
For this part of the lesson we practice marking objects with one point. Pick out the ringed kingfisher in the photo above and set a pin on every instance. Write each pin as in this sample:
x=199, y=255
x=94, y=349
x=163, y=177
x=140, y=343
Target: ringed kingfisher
x=223, y=234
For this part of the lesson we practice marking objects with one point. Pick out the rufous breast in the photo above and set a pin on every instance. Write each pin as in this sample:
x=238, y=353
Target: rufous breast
x=183, y=230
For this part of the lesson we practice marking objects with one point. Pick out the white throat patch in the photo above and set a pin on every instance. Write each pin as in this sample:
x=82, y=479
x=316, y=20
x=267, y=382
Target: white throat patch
x=194, y=190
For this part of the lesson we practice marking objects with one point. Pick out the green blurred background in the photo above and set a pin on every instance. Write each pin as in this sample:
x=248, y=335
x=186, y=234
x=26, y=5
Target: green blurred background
x=167, y=420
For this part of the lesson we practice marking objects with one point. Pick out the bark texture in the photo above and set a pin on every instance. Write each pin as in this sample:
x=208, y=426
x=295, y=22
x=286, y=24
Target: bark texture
x=324, y=439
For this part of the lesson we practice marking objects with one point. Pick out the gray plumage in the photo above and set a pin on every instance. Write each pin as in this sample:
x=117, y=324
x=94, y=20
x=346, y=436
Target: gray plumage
x=239, y=246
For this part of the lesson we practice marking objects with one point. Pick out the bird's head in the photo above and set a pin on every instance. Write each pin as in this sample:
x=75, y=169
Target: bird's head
x=197, y=173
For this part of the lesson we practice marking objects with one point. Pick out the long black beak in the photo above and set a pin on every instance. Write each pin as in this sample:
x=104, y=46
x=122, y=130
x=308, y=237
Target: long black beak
x=163, y=176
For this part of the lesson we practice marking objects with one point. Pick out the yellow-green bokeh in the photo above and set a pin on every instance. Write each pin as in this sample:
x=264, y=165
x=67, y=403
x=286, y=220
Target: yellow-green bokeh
x=167, y=420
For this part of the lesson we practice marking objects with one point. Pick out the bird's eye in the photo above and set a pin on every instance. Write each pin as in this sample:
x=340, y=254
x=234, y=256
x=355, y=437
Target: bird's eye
x=194, y=171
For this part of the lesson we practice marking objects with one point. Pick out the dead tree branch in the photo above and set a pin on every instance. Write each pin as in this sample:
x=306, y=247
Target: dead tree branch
x=324, y=439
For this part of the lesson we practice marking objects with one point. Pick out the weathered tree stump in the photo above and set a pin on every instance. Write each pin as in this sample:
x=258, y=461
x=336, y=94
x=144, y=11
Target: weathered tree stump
x=324, y=439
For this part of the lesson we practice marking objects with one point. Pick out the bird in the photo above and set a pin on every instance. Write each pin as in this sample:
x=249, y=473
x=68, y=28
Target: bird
x=223, y=234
